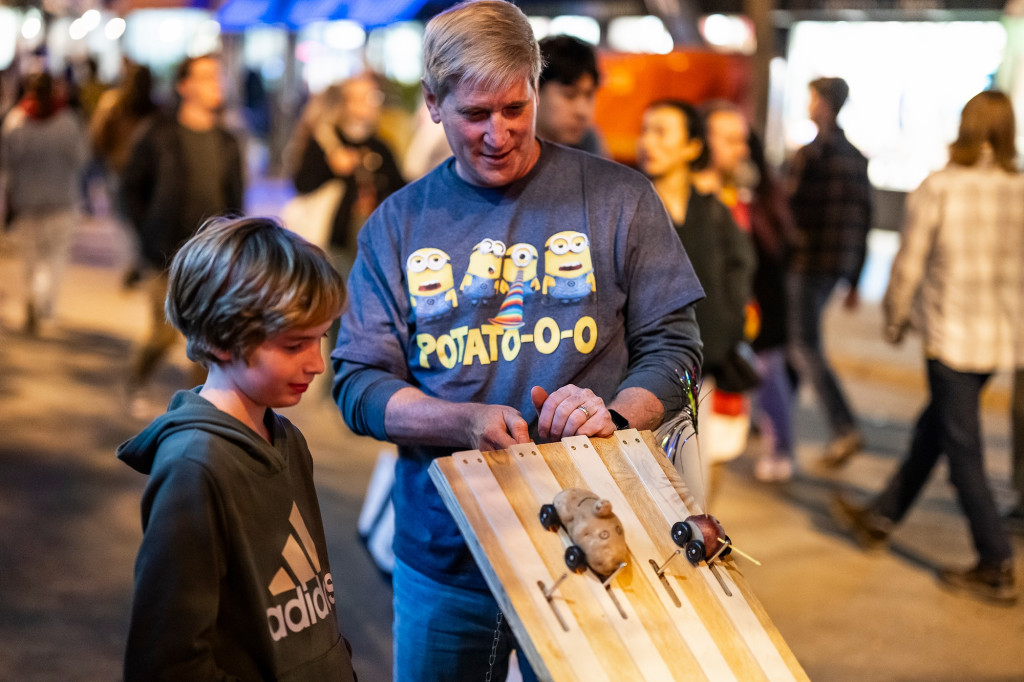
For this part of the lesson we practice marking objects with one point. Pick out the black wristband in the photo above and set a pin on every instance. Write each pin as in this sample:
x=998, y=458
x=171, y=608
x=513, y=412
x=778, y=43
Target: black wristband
x=619, y=421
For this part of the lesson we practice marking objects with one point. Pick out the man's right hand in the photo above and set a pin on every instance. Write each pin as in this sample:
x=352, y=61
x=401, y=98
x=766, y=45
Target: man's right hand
x=412, y=418
x=495, y=427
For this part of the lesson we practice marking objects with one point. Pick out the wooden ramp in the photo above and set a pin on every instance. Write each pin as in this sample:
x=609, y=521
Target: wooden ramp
x=687, y=624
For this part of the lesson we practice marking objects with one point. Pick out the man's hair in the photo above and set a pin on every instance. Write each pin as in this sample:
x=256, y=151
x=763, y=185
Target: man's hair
x=184, y=69
x=708, y=110
x=566, y=60
x=833, y=91
x=987, y=117
x=40, y=87
x=240, y=281
x=482, y=42
x=694, y=123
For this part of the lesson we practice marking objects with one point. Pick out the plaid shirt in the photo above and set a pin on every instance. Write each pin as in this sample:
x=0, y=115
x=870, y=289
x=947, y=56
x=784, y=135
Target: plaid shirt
x=963, y=253
x=831, y=207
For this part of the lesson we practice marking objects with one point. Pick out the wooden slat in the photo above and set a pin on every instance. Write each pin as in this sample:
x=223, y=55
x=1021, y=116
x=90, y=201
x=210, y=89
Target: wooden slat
x=575, y=594
x=649, y=649
x=706, y=655
x=700, y=634
x=527, y=564
x=759, y=633
x=549, y=661
x=704, y=595
x=773, y=632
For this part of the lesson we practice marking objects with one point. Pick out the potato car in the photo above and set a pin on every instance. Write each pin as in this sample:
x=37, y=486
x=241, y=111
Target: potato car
x=702, y=537
x=592, y=527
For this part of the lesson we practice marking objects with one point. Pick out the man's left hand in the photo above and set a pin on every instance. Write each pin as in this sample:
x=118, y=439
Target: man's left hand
x=570, y=411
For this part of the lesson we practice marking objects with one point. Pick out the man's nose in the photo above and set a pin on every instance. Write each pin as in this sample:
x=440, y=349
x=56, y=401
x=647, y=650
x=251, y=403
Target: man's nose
x=497, y=131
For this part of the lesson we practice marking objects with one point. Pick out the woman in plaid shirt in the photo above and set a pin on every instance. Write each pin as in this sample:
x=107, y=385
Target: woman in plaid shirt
x=959, y=276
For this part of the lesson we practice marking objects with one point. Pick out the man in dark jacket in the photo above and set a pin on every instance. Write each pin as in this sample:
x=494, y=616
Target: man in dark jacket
x=185, y=170
x=832, y=210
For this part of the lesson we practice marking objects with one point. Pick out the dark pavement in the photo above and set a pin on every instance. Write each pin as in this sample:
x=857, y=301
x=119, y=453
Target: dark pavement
x=69, y=520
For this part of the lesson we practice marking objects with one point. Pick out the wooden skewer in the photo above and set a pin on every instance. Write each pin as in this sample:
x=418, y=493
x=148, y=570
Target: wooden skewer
x=741, y=552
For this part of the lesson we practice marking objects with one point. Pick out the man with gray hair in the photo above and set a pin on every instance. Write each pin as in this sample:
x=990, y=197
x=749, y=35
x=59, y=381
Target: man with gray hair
x=520, y=291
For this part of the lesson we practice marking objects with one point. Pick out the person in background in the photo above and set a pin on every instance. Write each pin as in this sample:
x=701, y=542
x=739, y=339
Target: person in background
x=184, y=170
x=738, y=175
x=340, y=141
x=831, y=205
x=773, y=233
x=87, y=91
x=671, y=143
x=121, y=116
x=566, y=98
x=508, y=218
x=42, y=153
x=232, y=580
x=961, y=256
x=726, y=174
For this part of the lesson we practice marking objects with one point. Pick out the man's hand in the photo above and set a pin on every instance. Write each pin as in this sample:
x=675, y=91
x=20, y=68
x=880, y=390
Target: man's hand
x=495, y=427
x=342, y=160
x=570, y=411
x=893, y=333
x=413, y=418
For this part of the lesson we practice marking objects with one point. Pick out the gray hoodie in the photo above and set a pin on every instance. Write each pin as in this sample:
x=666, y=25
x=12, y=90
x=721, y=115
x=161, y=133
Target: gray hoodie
x=232, y=580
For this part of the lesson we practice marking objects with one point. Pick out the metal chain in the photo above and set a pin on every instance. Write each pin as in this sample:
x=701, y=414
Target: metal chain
x=494, y=648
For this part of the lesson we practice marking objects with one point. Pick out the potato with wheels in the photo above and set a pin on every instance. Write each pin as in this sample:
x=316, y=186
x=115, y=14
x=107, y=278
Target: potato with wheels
x=595, y=531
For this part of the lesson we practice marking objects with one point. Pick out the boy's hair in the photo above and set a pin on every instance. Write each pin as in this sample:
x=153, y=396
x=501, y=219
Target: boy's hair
x=566, y=60
x=240, y=281
x=483, y=42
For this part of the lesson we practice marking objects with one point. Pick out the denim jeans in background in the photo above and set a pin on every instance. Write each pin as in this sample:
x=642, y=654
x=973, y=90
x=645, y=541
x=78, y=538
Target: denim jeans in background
x=807, y=297
x=444, y=633
x=950, y=425
x=1017, y=429
x=773, y=400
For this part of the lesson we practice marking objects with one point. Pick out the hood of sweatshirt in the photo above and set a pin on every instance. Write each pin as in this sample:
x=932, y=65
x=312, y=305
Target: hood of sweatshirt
x=189, y=411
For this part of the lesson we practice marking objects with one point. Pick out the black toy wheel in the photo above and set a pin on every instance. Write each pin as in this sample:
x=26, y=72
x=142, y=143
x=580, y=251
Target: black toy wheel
x=549, y=517
x=728, y=549
x=694, y=551
x=681, y=533
x=575, y=559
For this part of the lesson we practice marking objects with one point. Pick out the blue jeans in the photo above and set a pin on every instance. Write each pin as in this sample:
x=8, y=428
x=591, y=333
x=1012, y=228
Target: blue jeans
x=774, y=399
x=1017, y=429
x=951, y=425
x=444, y=633
x=808, y=295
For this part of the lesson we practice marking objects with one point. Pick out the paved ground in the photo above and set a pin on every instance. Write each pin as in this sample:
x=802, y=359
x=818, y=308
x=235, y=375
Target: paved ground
x=69, y=523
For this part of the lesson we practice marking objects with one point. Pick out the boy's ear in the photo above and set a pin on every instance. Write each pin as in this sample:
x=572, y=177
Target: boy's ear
x=222, y=355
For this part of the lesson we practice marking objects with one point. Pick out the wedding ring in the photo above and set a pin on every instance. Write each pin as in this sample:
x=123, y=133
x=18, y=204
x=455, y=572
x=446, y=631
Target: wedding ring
x=585, y=411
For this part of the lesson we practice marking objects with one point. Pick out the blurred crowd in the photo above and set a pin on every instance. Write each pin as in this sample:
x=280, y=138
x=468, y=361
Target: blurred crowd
x=771, y=247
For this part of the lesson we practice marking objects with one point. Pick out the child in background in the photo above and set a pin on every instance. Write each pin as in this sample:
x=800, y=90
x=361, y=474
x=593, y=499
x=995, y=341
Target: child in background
x=232, y=580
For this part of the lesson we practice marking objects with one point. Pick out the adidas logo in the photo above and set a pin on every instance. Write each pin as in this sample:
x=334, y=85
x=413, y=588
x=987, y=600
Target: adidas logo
x=308, y=605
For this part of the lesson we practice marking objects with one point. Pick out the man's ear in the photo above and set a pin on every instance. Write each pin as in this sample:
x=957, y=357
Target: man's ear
x=693, y=149
x=433, y=104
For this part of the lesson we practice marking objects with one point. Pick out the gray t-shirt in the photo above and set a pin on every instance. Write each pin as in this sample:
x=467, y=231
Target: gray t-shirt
x=590, y=260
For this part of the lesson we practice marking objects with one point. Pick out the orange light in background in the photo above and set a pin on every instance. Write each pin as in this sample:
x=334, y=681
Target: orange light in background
x=632, y=81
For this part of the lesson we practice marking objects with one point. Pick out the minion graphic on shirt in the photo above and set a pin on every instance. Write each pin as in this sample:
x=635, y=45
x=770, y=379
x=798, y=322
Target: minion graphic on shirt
x=520, y=265
x=480, y=283
x=431, y=284
x=568, y=269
